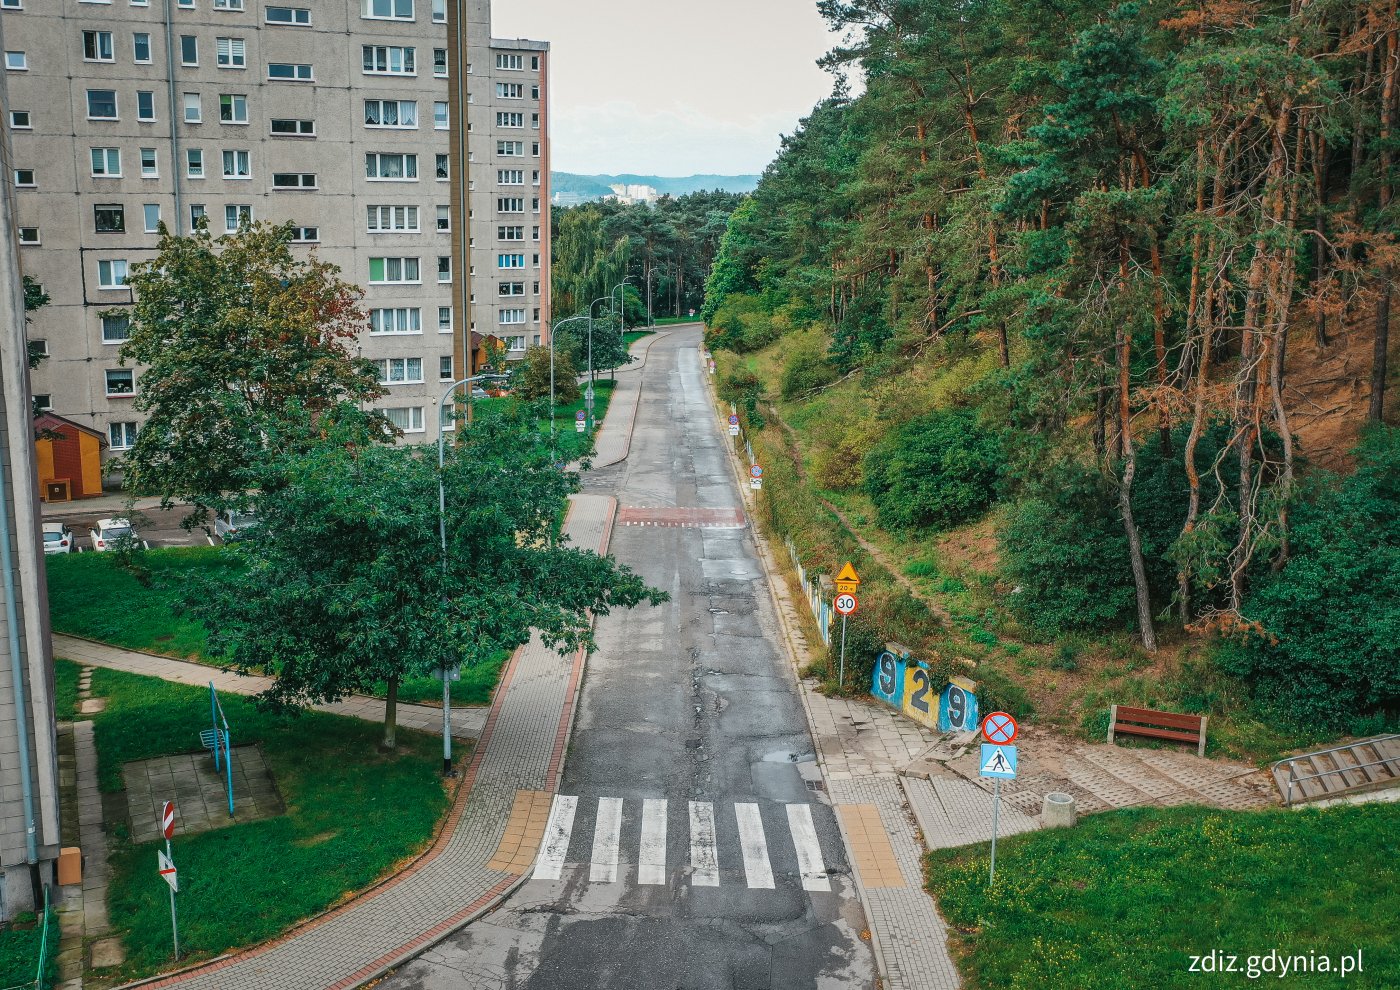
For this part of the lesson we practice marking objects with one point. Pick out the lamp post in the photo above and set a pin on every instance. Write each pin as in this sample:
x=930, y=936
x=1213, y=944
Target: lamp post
x=621, y=310
x=588, y=395
x=552, y=332
x=447, y=770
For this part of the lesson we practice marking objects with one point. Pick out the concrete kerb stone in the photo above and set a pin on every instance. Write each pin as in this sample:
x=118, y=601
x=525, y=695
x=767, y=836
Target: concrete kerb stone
x=772, y=577
x=636, y=401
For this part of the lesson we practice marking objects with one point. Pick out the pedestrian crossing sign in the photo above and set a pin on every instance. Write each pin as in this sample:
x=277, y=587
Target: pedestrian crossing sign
x=998, y=762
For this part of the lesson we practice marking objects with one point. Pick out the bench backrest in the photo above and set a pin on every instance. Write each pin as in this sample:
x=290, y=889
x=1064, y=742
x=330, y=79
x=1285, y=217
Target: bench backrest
x=1148, y=716
x=1158, y=725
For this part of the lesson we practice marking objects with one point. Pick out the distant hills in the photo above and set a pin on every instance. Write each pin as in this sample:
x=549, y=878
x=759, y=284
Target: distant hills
x=598, y=186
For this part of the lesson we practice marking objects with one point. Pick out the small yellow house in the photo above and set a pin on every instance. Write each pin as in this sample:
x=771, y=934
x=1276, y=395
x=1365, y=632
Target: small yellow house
x=70, y=459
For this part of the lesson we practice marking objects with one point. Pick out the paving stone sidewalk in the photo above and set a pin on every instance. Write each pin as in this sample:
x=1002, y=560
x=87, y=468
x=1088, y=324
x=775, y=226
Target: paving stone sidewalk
x=467, y=723
x=521, y=749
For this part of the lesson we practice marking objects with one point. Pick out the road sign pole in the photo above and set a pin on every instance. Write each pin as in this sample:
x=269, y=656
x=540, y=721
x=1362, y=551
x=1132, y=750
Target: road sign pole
x=174, y=921
x=996, y=808
x=843, y=653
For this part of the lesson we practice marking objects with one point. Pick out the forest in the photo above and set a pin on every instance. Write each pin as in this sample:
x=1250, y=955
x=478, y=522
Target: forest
x=1089, y=307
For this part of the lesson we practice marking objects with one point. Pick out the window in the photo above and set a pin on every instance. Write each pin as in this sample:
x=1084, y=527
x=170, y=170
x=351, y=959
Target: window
x=149, y=169
x=20, y=120
x=29, y=235
x=236, y=165
x=389, y=271
x=392, y=321
x=391, y=113
x=391, y=168
x=11, y=5
x=445, y=372
x=510, y=233
x=150, y=213
x=510, y=204
x=293, y=180
x=439, y=10
x=535, y=121
x=400, y=10
x=16, y=62
x=237, y=214
x=409, y=419
x=295, y=128
x=444, y=218
x=444, y=319
x=194, y=113
x=102, y=104
x=299, y=16
x=510, y=91
x=535, y=63
x=515, y=343
x=441, y=167
x=24, y=178
x=510, y=177
x=440, y=115
x=145, y=105
x=187, y=4
x=194, y=163
x=392, y=219
x=440, y=62
x=511, y=288
x=189, y=49
x=389, y=60
x=230, y=53
x=510, y=261
x=233, y=108
x=511, y=63
x=512, y=316
x=106, y=163
x=510, y=120
x=121, y=435
x=535, y=150
x=444, y=268
x=199, y=216
x=400, y=371
x=510, y=148
x=535, y=92
x=306, y=235
x=42, y=400
x=97, y=47
x=121, y=381
x=111, y=274
x=228, y=4
x=116, y=329
x=294, y=72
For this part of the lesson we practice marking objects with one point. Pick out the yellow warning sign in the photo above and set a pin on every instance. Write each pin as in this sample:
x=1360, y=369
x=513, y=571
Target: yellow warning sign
x=847, y=582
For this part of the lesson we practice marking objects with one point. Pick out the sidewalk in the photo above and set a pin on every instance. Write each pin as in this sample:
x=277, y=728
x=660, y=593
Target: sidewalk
x=495, y=824
x=615, y=439
x=467, y=723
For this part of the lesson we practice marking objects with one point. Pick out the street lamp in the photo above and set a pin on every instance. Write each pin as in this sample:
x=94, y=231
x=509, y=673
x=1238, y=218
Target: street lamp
x=442, y=533
x=588, y=395
x=552, y=332
x=621, y=312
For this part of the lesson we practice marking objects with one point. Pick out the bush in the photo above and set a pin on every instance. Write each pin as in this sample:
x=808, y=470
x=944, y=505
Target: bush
x=1327, y=633
x=804, y=372
x=742, y=323
x=743, y=388
x=1065, y=550
x=939, y=470
x=531, y=380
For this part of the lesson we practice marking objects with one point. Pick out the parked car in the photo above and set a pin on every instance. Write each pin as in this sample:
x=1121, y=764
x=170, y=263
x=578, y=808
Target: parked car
x=58, y=538
x=108, y=532
x=230, y=525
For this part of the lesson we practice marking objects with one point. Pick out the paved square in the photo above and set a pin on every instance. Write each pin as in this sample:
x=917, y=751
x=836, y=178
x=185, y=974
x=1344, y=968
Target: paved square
x=201, y=804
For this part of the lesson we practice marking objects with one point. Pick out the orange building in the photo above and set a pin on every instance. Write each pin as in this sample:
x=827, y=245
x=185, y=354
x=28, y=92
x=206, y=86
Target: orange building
x=69, y=459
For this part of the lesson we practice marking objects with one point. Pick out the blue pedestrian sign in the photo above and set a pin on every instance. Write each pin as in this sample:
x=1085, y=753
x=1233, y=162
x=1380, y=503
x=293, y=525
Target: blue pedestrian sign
x=997, y=762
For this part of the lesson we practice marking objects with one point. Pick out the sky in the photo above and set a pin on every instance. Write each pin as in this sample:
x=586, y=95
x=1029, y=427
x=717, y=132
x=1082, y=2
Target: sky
x=673, y=87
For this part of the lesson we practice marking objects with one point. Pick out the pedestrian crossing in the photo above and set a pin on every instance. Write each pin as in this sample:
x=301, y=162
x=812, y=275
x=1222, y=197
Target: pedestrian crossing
x=755, y=855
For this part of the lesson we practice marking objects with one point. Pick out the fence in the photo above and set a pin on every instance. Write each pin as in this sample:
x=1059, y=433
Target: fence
x=811, y=584
x=41, y=980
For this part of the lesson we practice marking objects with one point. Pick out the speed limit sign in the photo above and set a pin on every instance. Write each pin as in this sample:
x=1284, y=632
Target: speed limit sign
x=846, y=604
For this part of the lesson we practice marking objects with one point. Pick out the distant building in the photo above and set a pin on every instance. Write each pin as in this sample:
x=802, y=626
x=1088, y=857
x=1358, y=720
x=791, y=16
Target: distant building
x=632, y=195
x=565, y=200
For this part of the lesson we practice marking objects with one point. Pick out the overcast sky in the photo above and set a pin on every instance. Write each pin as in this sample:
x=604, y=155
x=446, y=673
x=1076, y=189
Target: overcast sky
x=673, y=87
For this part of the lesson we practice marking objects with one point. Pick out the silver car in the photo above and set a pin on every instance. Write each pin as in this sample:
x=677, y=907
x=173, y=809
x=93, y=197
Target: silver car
x=108, y=533
x=58, y=538
x=230, y=525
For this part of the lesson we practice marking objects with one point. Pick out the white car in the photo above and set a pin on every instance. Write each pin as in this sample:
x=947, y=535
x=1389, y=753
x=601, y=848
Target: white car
x=230, y=525
x=108, y=532
x=58, y=538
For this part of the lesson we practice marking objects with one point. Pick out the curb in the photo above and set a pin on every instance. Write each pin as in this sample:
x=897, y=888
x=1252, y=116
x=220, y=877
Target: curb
x=632, y=422
x=773, y=576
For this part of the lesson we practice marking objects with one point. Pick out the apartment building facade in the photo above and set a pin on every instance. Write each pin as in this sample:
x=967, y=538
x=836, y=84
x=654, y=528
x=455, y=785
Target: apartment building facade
x=334, y=115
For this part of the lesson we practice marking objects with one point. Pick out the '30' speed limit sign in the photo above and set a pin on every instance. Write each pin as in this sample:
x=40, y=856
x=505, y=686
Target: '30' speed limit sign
x=846, y=604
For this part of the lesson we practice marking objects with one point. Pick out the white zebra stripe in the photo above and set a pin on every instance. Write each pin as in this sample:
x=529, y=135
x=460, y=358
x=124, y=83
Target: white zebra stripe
x=651, y=857
x=549, y=865
x=754, y=846
x=704, y=853
x=605, y=841
x=809, y=850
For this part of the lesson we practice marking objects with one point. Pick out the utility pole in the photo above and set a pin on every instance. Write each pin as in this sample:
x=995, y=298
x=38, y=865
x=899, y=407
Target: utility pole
x=459, y=165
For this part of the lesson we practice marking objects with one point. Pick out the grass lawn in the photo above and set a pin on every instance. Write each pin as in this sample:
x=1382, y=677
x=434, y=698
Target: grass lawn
x=20, y=941
x=632, y=336
x=90, y=596
x=352, y=814
x=571, y=442
x=1128, y=897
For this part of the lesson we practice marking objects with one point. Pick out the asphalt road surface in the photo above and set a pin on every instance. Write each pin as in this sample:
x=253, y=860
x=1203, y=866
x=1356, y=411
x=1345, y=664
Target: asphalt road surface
x=691, y=844
x=158, y=527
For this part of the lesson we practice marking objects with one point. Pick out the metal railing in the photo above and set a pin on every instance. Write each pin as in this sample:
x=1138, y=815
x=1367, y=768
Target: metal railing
x=1295, y=780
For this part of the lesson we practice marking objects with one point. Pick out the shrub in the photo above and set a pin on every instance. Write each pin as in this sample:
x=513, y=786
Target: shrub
x=806, y=371
x=938, y=470
x=743, y=388
x=740, y=324
x=1327, y=638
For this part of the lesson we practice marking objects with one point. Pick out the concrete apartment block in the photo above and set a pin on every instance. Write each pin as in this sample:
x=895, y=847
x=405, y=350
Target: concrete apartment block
x=332, y=114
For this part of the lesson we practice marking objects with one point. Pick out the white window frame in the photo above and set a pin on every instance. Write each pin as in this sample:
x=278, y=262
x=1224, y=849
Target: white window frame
x=404, y=366
x=240, y=211
x=306, y=235
x=16, y=61
x=294, y=11
x=29, y=237
x=151, y=154
x=193, y=39
x=444, y=326
x=97, y=37
x=386, y=55
x=231, y=53
x=396, y=321
x=235, y=100
x=193, y=170
x=297, y=75
x=116, y=104
x=112, y=339
x=240, y=156
x=121, y=373
x=298, y=133
x=108, y=156
x=27, y=116
x=304, y=181
x=146, y=218
x=197, y=105
x=398, y=105
x=392, y=219
x=149, y=93
x=116, y=272
x=412, y=414
x=402, y=264
x=374, y=161
x=126, y=430
x=393, y=6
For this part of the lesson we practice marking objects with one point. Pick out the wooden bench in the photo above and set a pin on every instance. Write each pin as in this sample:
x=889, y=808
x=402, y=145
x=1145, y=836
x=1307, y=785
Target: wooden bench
x=1123, y=720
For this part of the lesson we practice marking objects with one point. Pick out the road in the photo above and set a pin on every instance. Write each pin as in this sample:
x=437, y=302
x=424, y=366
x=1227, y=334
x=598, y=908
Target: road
x=158, y=527
x=692, y=841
